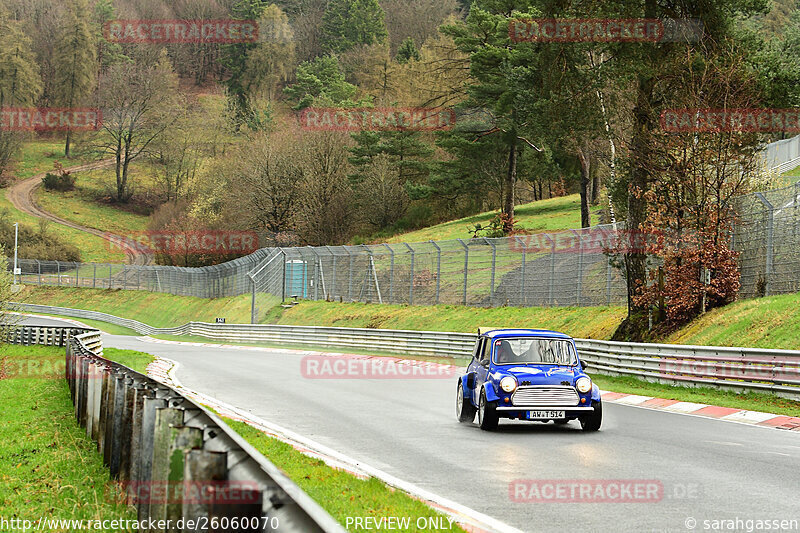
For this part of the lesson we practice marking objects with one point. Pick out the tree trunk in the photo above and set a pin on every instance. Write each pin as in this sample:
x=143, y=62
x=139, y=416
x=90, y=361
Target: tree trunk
x=66, y=145
x=586, y=169
x=510, y=184
x=595, y=185
x=635, y=260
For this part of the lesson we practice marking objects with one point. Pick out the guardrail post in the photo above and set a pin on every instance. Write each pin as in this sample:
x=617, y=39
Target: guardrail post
x=466, y=269
x=203, y=468
x=391, y=272
x=166, y=418
x=523, y=297
x=182, y=439
x=144, y=471
x=121, y=383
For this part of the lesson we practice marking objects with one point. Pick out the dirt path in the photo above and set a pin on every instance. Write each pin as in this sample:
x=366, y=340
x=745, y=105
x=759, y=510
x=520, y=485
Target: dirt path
x=22, y=196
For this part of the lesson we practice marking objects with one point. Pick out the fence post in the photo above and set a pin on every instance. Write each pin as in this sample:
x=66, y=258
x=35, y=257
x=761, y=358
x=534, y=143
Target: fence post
x=349, y=275
x=94, y=276
x=579, y=282
x=770, y=243
x=609, y=276
x=411, y=277
x=40, y=271
x=332, y=292
x=77, y=273
x=252, y=299
x=494, y=264
x=317, y=266
x=283, y=271
x=110, y=277
x=438, y=269
x=523, y=297
x=58, y=272
x=391, y=272
x=552, y=268
x=466, y=268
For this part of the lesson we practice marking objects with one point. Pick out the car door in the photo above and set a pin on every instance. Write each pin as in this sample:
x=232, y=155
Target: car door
x=482, y=367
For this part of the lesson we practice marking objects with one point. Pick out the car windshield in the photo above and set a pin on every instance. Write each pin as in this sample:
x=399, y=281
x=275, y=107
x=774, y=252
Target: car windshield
x=524, y=350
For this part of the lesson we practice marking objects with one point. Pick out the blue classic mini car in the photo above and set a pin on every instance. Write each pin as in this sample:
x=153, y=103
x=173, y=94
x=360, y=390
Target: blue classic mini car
x=527, y=374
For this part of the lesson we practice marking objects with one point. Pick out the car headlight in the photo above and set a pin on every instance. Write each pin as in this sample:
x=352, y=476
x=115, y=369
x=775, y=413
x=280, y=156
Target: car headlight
x=508, y=384
x=583, y=385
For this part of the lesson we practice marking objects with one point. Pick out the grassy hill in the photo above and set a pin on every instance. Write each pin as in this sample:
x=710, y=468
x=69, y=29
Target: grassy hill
x=770, y=322
x=553, y=214
x=39, y=156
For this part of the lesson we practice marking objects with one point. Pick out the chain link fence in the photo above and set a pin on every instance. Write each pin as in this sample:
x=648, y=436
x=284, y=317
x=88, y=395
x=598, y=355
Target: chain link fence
x=767, y=237
x=568, y=268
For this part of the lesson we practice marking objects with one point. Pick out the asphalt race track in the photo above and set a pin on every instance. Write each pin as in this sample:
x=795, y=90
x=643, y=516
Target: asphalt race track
x=709, y=469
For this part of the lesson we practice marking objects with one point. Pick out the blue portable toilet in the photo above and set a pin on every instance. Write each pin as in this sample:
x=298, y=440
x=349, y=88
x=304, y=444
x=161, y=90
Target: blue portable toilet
x=297, y=278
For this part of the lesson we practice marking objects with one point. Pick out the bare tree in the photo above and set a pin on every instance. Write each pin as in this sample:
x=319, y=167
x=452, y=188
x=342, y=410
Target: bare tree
x=139, y=103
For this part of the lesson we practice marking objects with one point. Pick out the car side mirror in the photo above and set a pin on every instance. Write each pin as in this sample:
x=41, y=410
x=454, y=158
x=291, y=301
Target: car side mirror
x=583, y=364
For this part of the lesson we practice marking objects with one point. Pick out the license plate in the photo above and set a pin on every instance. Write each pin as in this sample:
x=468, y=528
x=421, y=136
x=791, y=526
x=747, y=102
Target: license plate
x=545, y=414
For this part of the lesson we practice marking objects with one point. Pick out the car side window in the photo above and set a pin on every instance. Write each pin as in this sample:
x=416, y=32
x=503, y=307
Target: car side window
x=486, y=351
x=476, y=352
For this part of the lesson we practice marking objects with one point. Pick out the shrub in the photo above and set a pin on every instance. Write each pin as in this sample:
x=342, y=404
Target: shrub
x=58, y=180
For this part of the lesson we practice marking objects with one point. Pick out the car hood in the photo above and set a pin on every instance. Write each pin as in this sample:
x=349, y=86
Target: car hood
x=545, y=375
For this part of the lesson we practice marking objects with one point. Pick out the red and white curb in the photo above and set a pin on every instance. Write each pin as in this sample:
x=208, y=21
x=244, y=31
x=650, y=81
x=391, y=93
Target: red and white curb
x=728, y=414
x=164, y=370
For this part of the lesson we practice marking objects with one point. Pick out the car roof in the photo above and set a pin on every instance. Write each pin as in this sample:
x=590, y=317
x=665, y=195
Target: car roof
x=493, y=333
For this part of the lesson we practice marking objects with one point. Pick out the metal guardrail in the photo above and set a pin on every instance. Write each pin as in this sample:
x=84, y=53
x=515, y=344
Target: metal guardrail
x=175, y=459
x=44, y=336
x=742, y=369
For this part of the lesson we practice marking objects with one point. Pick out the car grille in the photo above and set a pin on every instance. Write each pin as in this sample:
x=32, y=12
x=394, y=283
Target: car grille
x=545, y=395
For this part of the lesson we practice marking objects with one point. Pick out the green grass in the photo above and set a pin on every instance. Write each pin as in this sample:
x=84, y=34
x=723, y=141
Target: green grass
x=48, y=466
x=156, y=309
x=750, y=401
x=340, y=493
x=553, y=214
x=134, y=360
x=772, y=322
x=88, y=204
x=584, y=322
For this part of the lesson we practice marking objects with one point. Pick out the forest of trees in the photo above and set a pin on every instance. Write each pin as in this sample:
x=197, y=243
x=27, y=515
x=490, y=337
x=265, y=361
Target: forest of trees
x=216, y=123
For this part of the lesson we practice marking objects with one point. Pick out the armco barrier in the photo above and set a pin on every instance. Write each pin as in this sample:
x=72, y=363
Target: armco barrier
x=44, y=336
x=742, y=369
x=175, y=459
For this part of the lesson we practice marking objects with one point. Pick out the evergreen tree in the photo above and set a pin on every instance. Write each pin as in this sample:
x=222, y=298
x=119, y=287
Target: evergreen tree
x=407, y=51
x=348, y=23
x=76, y=60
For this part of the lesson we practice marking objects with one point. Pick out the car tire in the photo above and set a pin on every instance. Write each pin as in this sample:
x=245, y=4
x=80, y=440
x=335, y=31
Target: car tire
x=487, y=415
x=465, y=411
x=592, y=421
